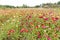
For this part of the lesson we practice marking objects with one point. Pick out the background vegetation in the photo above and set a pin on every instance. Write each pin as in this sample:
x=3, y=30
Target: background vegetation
x=47, y=5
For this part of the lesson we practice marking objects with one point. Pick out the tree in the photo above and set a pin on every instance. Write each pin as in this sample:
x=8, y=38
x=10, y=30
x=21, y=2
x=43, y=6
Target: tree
x=37, y=6
x=25, y=6
x=58, y=3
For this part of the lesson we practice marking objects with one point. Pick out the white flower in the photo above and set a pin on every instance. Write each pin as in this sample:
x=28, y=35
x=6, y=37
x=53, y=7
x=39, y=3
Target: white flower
x=14, y=16
x=38, y=25
x=49, y=28
x=8, y=20
x=44, y=30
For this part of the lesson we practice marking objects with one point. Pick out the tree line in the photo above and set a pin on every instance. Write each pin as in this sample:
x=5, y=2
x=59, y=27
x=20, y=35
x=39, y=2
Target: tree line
x=44, y=5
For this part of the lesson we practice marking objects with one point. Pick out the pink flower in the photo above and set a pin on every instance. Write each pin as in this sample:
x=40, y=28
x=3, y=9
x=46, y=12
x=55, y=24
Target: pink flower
x=49, y=38
x=50, y=12
x=43, y=26
x=45, y=18
x=39, y=36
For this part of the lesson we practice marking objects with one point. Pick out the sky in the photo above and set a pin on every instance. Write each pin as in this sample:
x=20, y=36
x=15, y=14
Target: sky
x=26, y=2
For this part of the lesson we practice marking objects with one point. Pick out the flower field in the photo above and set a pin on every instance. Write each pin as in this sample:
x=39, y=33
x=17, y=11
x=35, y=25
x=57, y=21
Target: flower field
x=30, y=24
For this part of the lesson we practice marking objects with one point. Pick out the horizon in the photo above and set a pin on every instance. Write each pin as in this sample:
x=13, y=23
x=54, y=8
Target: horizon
x=26, y=2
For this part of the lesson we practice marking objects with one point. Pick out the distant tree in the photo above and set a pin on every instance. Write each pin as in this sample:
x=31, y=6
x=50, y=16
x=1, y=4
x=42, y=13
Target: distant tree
x=25, y=6
x=37, y=6
x=17, y=7
x=58, y=3
x=6, y=6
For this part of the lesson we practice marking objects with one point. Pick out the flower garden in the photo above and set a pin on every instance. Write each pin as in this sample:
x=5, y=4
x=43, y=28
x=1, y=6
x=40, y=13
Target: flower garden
x=30, y=24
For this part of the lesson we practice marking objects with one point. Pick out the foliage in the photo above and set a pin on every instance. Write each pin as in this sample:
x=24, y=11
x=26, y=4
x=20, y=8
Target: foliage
x=58, y=3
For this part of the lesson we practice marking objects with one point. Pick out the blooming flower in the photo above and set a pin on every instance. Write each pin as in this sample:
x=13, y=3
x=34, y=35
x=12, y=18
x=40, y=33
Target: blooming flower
x=29, y=17
x=50, y=13
x=38, y=35
x=26, y=30
x=31, y=23
x=37, y=26
x=11, y=31
x=23, y=30
x=40, y=16
x=49, y=38
x=55, y=18
x=45, y=18
x=43, y=26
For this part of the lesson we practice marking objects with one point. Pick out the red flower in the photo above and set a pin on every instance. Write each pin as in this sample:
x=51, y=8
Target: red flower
x=30, y=16
x=55, y=19
x=11, y=31
x=23, y=30
x=37, y=26
x=31, y=23
x=26, y=30
x=40, y=16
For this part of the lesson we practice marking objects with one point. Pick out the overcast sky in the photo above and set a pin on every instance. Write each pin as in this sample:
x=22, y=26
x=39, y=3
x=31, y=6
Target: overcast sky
x=27, y=2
